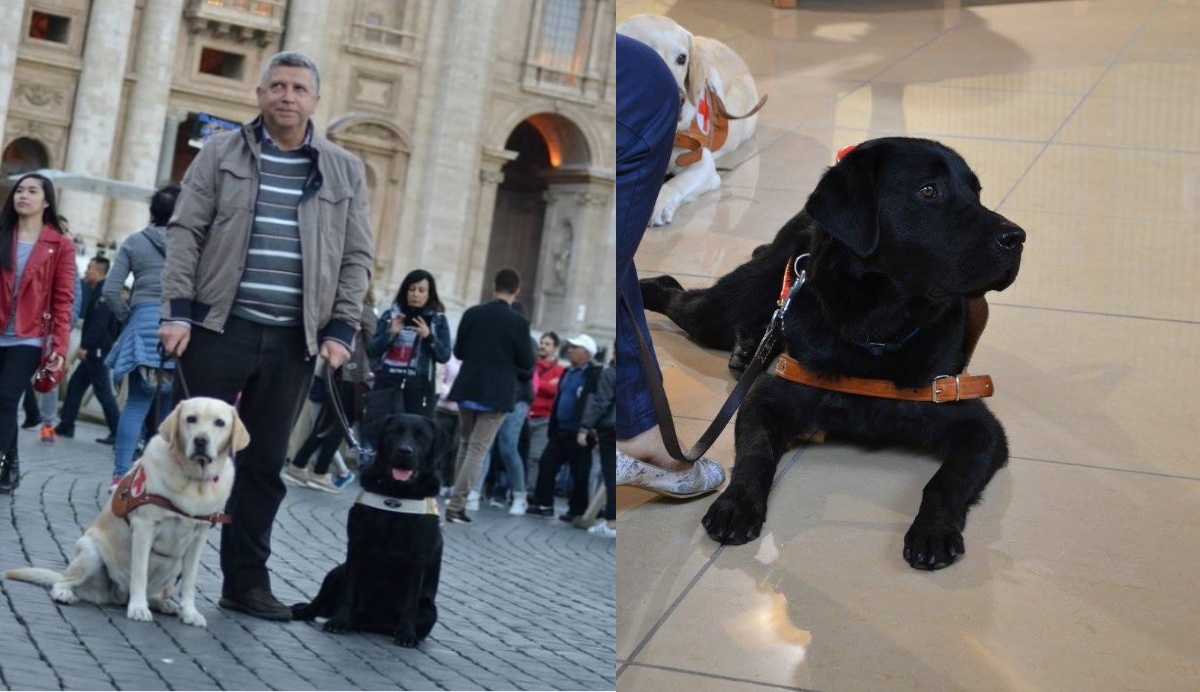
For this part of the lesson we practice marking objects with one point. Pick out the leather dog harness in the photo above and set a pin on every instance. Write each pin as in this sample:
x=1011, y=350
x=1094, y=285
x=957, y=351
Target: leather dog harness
x=131, y=494
x=427, y=505
x=943, y=389
x=710, y=128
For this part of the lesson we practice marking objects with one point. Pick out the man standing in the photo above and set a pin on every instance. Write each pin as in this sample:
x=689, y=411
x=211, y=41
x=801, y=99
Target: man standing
x=494, y=346
x=547, y=372
x=566, y=445
x=100, y=329
x=268, y=259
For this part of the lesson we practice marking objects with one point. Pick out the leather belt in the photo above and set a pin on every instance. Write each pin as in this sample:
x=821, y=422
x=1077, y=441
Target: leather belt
x=131, y=494
x=426, y=505
x=944, y=389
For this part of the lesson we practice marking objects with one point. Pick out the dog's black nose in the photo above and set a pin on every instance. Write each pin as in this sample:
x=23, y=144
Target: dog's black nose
x=405, y=450
x=1010, y=237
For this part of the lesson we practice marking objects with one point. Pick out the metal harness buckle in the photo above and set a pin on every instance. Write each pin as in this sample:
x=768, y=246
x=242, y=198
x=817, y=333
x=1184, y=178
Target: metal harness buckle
x=934, y=390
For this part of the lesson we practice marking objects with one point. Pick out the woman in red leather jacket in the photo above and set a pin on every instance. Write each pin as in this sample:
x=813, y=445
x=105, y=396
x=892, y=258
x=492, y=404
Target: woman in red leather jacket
x=37, y=278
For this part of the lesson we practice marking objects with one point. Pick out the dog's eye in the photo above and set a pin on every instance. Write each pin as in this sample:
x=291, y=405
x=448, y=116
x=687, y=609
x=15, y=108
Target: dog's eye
x=929, y=192
x=681, y=59
x=191, y=419
x=220, y=422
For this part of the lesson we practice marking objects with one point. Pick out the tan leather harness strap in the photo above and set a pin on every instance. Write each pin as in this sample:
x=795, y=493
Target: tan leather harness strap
x=696, y=138
x=943, y=390
x=130, y=494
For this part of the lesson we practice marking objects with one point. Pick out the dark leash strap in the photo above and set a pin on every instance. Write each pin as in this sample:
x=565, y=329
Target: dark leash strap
x=334, y=393
x=161, y=373
x=767, y=349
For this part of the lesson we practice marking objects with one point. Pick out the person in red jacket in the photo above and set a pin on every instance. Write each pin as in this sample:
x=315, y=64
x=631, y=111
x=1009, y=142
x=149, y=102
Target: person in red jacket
x=546, y=372
x=37, y=277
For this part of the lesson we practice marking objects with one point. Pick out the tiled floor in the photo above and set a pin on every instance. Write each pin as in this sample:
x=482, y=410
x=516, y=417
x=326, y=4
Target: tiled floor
x=1083, y=567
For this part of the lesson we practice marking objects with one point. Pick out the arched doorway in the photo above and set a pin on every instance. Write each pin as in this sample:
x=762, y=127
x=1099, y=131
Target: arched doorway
x=22, y=155
x=536, y=222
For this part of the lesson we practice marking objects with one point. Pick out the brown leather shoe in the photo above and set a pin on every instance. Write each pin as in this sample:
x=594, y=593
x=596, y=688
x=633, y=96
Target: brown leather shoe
x=258, y=602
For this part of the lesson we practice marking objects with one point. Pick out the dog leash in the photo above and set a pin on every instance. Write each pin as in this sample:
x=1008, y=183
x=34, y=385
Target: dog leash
x=334, y=393
x=768, y=348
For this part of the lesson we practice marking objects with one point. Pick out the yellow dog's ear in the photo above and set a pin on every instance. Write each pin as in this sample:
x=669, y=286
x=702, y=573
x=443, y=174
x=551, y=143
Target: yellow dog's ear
x=697, y=74
x=169, y=429
x=241, y=436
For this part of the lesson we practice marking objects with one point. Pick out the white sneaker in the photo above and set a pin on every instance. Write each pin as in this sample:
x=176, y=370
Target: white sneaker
x=324, y=482
x=519, y=505
x=473, y=502
x=601, y=528
x=295, y=475
x=703, y=476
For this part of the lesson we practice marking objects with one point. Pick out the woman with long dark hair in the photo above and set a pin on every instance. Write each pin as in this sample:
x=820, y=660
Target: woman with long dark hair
x=411, y=339
x=37, y=286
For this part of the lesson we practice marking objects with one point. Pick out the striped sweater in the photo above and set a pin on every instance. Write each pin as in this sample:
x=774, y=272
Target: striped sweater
x=270, y=289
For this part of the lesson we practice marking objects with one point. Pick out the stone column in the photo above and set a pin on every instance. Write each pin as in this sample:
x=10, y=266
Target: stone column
x=94, y=118
x=10, y=37
x=451, y=167
x=142, y=145
x=473, y=261
x=166, y=155
x=305, y=31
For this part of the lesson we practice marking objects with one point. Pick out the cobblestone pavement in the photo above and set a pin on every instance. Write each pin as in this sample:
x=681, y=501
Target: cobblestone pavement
x=524, y=602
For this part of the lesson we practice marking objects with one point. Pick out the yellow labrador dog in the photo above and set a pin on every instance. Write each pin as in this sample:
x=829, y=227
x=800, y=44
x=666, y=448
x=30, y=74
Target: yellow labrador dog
x=720, y=102
x=156, y=524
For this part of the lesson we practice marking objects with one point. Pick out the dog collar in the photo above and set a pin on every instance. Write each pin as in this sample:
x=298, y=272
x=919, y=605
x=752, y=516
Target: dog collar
x=427, y=505
x=944, y=389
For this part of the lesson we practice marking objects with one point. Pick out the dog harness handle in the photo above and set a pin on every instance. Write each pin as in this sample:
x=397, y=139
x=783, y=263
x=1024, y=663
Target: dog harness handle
x=131, y=494
x=713, y=136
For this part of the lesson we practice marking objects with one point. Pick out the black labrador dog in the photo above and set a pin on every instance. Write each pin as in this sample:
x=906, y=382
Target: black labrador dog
x=389, y=580
x=899, y=242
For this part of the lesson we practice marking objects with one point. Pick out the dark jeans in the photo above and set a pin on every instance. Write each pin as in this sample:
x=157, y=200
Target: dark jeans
x=647, y=108
x=91, y=372
x=269, y=367
x=561, y=448
x=17, y=364
x=607, y=445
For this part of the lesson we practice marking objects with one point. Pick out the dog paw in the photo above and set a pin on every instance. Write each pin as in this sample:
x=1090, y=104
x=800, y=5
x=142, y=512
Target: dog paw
x=408, y=641
x=139, y=612
x=303, y=612
x=165, y=606
x=191, y=616
x=734, y=518
x=664, y=211
x=63, y=595
x=337, y=626
x=932, y=544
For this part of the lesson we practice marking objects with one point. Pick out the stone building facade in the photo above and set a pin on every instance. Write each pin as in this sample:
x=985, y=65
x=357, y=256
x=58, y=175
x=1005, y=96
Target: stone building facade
x=486, y=126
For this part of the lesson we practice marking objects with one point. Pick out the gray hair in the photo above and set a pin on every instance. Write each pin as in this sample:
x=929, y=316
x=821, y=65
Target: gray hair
x=291, y=58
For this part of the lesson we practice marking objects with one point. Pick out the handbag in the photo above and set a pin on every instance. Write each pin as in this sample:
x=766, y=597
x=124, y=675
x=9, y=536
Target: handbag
x=45, y=379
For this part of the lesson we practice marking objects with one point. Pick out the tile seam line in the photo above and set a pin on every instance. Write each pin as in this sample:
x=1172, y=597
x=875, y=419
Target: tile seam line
x=631, y=659
x=1115, y=469
x=714, y=676
x=1084, y=97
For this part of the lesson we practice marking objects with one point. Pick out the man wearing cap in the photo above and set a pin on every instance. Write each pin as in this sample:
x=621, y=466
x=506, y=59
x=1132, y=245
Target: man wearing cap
x=578, y=383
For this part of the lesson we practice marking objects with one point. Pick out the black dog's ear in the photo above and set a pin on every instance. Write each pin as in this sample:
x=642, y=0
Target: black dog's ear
x=442, y=440
x=846, y=205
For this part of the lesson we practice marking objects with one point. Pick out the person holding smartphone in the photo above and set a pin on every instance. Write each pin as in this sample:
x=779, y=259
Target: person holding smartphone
x=412, y=337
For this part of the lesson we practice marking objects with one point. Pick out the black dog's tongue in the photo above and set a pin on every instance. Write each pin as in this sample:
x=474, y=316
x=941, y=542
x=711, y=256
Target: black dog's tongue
x=402, y=475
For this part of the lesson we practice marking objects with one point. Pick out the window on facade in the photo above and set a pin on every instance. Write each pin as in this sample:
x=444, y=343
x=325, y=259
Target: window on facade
x=382, y=22
x=49, y=27
x=559, y=47
x=222, y=64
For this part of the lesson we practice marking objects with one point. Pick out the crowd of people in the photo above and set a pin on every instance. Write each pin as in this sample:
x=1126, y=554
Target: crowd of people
x=230, y=292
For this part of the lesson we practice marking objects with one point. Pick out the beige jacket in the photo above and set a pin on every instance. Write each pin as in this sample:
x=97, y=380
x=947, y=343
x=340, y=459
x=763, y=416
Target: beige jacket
x=209, y=235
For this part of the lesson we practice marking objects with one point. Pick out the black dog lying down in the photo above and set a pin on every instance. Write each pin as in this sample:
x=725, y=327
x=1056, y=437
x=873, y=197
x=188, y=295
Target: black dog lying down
x=389, y=580
x=899, y=242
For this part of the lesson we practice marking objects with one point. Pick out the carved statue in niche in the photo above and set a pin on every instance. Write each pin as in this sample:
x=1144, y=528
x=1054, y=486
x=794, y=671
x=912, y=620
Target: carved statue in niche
x=560, y=255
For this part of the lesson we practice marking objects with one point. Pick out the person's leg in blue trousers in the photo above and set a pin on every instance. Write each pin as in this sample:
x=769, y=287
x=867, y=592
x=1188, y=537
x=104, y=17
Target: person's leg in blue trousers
x=647, y=110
